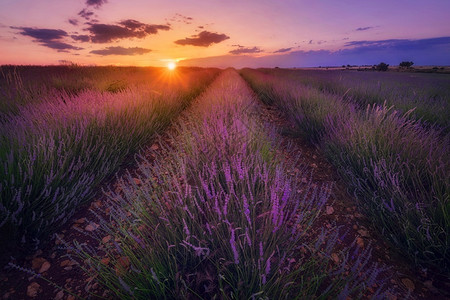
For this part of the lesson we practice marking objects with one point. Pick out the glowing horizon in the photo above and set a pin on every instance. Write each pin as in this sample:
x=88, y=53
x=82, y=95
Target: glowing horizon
x=214, y=33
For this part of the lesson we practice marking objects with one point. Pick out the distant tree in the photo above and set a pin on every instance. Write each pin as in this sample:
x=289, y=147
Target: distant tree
x=382, y=66
x=343, y=66
x=406, y=64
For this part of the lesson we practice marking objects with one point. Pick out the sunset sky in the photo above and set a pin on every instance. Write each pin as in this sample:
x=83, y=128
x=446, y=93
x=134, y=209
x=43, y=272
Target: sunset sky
x=253, y=33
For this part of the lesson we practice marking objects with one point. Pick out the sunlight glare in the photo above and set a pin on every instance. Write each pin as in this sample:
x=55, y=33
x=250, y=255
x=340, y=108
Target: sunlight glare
x=171, y=65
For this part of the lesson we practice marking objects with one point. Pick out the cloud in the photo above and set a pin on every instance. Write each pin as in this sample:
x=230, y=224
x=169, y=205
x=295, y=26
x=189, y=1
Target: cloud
x=51, y=38
x=398, y=44
x=245, y=50
x=96, y=3
x=86, y=14
x=60, y=46
x=132, y=24
x=433, y=51
x=121, y=51
x=105, y=33
x=364, y=28
x=181, y=19
x=81, y=38
x=319, y=42
x=42, y=34
x=73, y=22
x=283, y=50
x=203, y=39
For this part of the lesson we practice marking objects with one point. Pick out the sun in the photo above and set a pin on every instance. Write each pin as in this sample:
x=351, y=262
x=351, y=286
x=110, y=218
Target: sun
x=171, y=65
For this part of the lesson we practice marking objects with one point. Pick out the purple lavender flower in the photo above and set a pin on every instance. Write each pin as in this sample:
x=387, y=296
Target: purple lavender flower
x=233, y=247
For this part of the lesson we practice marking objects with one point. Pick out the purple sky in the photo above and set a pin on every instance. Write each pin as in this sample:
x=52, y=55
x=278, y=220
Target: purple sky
x=253, y=33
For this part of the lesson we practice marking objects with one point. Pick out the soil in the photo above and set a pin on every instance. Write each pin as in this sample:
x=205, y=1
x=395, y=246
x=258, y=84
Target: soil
x=57, y=265
x=406, y=280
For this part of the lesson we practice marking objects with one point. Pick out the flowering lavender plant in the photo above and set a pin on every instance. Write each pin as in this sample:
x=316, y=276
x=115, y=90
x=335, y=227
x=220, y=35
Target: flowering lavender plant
x=216, y=216
x=54, y=152
x=396, y=166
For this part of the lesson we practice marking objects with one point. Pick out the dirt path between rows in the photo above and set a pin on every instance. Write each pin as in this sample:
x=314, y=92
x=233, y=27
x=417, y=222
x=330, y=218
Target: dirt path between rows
x=64, y=277
x=56, y=263
x=342, y=211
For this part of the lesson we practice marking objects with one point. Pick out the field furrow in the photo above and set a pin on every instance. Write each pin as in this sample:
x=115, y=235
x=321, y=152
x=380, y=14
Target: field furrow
x=396, y=167
x=55, y=151
x=230, y=198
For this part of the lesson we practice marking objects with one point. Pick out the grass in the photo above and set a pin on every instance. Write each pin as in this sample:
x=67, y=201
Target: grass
x=396, y=166
x=55, y=150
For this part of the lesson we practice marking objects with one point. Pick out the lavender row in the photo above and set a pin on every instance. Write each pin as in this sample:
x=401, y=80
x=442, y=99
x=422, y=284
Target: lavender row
x=54, y=152
x=396, y=166
x=24, y=85
x=426, y=95
x=217, y=216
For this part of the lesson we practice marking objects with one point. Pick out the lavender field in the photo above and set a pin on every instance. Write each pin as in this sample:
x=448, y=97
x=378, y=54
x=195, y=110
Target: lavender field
x=64, y=130
x=181, y=184
x=393, y=153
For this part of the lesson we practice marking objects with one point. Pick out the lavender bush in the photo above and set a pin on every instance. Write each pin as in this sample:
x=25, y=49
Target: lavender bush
x=23, y=85
x=427, y=94
x=216, y=217
x=396, y=166
x=55, y=152
x=399, y=171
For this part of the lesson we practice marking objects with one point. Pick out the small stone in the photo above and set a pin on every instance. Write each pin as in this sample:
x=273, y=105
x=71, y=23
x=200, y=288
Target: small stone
x=329, y=210
x=45, y=266
x=37, y=263
x=391, y=296
x=363, y=233
x=335, y=257
x=408, y=283
x=65, y=263
x=154, y=147
x=70, y=297
x=360, y=242
x=80, y=221
x=137, y=181
x=33, y=289
x=106, y=239
x=96, y=204
x=123, y=263
x=59, y=295
x=91, y=227
x=105, y=260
